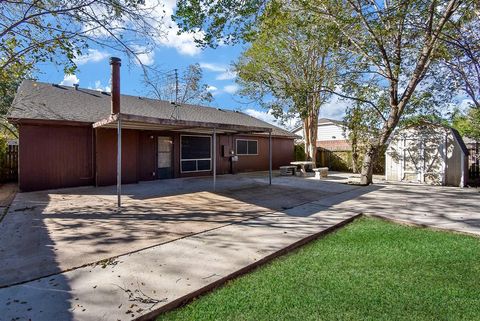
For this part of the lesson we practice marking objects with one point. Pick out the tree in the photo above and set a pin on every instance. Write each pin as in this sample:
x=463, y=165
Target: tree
x=59, y=31
x=186, y=89
x=463, y=55
x=291, y=60
x=10, y=79
x=391, y=46
x=467, y=123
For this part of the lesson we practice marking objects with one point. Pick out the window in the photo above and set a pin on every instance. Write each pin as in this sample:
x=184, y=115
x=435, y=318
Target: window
x=196, y=153
x=247, y=147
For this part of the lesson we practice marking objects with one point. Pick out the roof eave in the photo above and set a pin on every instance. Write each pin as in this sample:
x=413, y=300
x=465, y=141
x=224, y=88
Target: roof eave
x=135, y=121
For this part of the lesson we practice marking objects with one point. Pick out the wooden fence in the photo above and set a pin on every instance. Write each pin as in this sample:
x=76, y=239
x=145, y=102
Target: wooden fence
x=9, y=165
x=474, y=164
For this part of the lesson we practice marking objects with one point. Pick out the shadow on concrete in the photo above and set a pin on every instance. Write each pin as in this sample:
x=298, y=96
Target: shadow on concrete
x=17, y=260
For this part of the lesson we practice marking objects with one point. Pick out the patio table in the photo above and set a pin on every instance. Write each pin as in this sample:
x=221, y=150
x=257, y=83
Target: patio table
x=302, y=165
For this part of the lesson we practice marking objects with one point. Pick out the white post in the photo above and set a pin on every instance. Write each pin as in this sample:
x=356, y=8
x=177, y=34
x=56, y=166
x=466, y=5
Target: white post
x=119, y=162
x=214, y=159
x=270, y=158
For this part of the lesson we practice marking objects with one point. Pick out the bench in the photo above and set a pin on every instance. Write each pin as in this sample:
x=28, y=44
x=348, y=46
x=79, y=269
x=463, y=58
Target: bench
x=288, y=170
x=321, y=172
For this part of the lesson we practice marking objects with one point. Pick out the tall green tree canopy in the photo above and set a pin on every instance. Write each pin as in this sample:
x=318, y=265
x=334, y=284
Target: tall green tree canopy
x=288, y=64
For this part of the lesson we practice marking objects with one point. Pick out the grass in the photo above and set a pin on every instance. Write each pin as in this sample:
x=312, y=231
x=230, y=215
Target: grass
x=369, y=270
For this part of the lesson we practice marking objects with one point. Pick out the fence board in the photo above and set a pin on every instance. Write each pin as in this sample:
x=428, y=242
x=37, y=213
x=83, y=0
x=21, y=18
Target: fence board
x=474, y=164
x=9, y=165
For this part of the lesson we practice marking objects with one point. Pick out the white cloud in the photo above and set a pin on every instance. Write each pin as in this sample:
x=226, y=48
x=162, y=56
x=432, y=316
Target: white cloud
x=184, y=43
x=225, y=72
x=231, y=89
x=335, y=108
x=213, y=67
x=69, y=80
x=93, y=55
x=98, y=86
x=163, y=28
x=145, y=55
x=212, y=88
x=227, y=75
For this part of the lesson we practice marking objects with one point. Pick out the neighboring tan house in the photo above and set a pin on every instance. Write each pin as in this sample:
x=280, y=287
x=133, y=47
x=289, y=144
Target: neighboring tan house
x=68, y=137
x=427, y=153
x=330, y=135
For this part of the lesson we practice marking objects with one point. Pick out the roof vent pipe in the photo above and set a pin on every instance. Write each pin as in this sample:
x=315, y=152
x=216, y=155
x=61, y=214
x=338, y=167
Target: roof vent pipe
x=76, y=86
x=115, y=63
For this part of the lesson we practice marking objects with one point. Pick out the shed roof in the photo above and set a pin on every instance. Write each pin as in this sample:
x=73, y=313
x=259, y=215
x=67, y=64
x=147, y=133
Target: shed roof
x=42, y=101
x=454, y=132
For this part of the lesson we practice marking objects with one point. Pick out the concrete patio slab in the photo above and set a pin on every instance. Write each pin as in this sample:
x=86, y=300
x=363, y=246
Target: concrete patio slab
x=53, y=231
x=162, y=276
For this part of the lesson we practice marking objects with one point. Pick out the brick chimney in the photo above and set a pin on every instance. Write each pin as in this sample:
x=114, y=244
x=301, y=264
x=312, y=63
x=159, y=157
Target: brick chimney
x=115, y=91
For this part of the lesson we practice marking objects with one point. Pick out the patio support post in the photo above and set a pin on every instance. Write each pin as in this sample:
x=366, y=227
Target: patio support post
x=214, y=159
x=119, y=162
x=270, y=158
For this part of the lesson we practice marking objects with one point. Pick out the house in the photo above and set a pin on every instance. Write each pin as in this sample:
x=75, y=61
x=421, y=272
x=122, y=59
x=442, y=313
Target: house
x=427, y=153
x=331, y=135
x=333, y=148
x=68, y=137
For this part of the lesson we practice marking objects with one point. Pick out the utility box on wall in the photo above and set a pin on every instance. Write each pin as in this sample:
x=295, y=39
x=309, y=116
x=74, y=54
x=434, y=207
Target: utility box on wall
x=226, y=152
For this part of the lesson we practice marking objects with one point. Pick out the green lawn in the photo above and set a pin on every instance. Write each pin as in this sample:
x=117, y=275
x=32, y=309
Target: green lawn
x=369, y=270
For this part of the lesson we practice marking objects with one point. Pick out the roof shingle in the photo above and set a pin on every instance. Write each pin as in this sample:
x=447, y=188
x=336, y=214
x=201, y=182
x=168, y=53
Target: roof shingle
x=43, y=101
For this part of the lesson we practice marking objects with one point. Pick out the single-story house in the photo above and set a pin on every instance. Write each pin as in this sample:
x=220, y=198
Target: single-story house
x=68, y=137
x=427, y=153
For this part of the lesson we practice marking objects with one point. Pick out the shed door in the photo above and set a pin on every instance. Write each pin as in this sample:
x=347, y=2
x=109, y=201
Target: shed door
x=164, y=151
x=413, y=160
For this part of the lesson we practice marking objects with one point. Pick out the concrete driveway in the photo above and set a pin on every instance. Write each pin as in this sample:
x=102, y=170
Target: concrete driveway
x=48, y=232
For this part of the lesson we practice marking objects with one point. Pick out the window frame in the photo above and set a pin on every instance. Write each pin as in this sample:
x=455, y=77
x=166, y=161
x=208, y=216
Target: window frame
x=247, y=140
x=195, y=159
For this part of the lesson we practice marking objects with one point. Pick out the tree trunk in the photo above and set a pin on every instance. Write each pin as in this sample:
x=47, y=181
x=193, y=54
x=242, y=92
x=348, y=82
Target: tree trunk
x=366, y=175
x=354, y=144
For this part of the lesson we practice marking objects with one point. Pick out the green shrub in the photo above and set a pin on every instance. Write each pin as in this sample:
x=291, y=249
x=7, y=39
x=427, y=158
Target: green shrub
x=299, y=151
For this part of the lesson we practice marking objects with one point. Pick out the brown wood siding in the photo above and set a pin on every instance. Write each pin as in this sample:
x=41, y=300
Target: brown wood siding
x=106, y=156
x=282, y=154
x=147, y=165
x=62, y=156
x=55, y=157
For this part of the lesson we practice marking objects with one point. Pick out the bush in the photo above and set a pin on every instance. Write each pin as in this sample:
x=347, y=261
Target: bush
x=299, y=151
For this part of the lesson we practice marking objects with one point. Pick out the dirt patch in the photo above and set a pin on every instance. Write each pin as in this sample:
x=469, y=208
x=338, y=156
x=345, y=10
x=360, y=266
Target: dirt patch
x=7, y=194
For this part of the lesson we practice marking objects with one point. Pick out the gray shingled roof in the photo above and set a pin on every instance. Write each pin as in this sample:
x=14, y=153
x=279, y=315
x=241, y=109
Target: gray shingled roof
x=43, y=101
